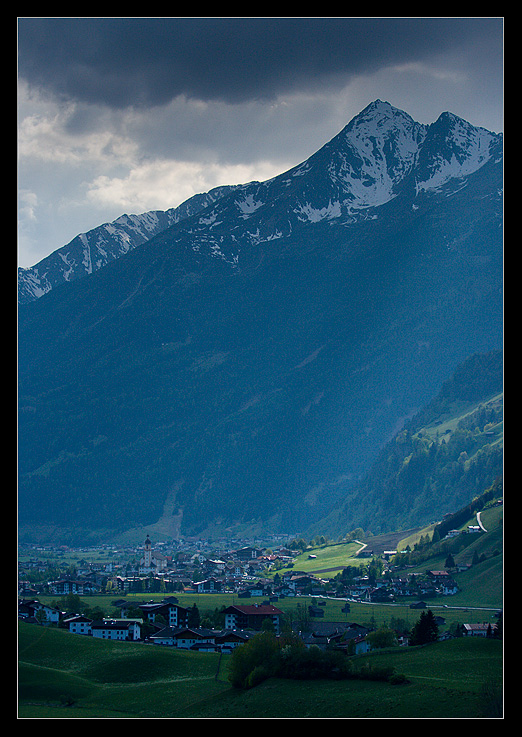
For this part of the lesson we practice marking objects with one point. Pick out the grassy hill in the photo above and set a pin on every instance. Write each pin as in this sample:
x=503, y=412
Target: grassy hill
x=481, y=584
x=103, y=678
x=68, y=676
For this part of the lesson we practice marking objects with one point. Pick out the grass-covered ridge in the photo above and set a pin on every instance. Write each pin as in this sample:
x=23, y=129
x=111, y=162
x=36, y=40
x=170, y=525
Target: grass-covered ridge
x=68, y=676
x=123, y=678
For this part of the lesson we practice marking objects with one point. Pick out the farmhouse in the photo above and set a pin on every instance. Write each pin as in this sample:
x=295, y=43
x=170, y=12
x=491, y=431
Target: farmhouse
x=200, y=639
x=342, y=636
x=33, y=609
x=248, y=553
x=444, y=582
x=166, y=636
x=229, y=639
x=188, y=637
x=68, y=586
x=78, y=624
x=111, y=629
x=255, y=589
x=173, y=614
x=480, y=629
x=208, y=586
x=252, y=616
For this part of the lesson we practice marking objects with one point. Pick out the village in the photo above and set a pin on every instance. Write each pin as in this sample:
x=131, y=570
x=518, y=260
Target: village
x=241, y=572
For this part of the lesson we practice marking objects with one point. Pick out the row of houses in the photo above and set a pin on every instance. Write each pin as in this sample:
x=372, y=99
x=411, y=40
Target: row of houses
x=165, y=624
x=235, y=571
x=430, y=584
x=294, y=583
x=187, y=638
x=242, y=621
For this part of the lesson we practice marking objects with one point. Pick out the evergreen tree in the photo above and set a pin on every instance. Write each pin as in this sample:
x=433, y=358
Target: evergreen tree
x=193, y=617
x=425, y=630
x=450, y=562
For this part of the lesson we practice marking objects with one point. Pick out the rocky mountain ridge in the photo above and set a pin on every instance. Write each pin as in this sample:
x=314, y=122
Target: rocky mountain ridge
x=242, y=369
x=90, y=251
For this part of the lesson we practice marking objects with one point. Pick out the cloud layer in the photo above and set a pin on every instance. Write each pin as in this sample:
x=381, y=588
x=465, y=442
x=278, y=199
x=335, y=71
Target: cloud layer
x=122, y=62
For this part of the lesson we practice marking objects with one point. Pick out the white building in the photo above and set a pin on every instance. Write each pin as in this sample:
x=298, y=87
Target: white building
x=151, y=562
x=79, y=624
x=116, y=629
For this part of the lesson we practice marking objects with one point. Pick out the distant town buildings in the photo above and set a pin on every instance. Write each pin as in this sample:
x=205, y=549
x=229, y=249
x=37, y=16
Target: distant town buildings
x=241, y=571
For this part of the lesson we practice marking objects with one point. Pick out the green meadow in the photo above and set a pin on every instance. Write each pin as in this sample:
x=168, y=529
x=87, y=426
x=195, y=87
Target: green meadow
x=74, y=677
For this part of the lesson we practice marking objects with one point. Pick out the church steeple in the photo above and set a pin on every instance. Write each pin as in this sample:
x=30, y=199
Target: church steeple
x=147, y=562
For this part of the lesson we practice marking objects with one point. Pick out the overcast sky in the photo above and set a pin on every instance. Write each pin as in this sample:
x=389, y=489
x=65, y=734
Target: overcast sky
x=126, y=115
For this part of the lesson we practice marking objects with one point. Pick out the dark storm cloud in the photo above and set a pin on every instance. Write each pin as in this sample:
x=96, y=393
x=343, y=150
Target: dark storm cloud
x=123, y=62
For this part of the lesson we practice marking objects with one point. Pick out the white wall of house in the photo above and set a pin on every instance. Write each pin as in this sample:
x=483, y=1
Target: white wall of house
x=80, y=628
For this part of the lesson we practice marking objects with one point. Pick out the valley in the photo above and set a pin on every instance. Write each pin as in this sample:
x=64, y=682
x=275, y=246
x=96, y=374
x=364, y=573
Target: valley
x=260, y=368
x=81, y=672
x=276, y=421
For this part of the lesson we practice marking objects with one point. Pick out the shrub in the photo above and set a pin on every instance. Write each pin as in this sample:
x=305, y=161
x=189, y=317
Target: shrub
x=257, y=676
x=397, y=679
x=265, y=656
x=261, y=651
x=375, y=673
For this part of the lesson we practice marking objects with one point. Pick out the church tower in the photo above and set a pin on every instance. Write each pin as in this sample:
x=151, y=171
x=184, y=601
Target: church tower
x=147, y=561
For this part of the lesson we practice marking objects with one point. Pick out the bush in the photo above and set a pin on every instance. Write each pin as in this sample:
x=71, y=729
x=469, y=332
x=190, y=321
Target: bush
x=397, y=679
x=265, y=656
x=261, y=651
x=257, y=676
x=373, y=673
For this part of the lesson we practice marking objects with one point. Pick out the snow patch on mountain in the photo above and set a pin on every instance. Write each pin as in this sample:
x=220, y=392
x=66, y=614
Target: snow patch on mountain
x=248, y=205
x=314, y=214
x=380, y=149
x=463, y=151
x=90, y=251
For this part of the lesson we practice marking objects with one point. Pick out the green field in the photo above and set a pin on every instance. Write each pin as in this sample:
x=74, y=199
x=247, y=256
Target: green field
x=328, y=560
x=70, y=676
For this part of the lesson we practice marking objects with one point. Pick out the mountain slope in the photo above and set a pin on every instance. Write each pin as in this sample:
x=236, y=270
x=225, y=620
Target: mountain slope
x=93, y=250
x=449, y=453
x=243, y=368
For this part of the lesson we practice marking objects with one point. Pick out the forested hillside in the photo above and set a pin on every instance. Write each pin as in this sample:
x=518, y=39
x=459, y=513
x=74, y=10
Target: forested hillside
x=446, y=455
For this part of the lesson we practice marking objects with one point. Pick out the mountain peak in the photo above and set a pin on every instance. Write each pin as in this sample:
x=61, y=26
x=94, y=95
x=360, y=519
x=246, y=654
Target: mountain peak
x=379, y=106
x=453, y=149
x=381, y=110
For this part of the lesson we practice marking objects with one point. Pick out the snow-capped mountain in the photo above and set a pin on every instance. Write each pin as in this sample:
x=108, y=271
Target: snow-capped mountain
x=243, y=367
x=90, y=251
x=381, y=154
